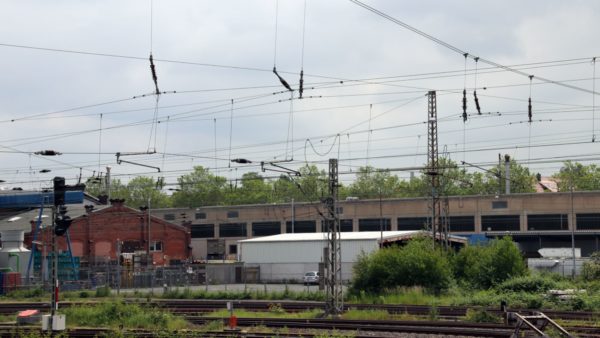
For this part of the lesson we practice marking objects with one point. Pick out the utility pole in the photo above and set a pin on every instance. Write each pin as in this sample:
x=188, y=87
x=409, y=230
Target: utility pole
x=54, y=266
x=333, y=274
x=433, y=164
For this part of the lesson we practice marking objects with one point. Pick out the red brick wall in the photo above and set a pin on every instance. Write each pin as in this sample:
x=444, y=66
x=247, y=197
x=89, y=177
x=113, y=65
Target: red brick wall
x=94, y=236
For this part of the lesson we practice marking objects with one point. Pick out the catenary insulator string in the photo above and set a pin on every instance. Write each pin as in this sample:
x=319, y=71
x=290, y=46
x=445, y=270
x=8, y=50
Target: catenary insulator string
x=464, y=99
x=301, y=88
x=475, y=89
x=529, y=110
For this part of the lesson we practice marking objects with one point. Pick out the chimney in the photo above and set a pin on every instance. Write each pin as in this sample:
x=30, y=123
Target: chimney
x=103, y=199
x=117, y=202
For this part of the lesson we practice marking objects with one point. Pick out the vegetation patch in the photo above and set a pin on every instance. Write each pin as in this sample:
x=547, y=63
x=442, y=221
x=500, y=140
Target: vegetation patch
x=116, y=314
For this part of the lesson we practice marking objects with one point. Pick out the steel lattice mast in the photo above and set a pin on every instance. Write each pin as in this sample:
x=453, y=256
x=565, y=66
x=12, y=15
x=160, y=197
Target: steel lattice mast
x=433, y=164
x=333, y=265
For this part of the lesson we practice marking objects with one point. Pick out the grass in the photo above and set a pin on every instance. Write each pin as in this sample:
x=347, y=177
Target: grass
x=115, y=313
x=266, y=314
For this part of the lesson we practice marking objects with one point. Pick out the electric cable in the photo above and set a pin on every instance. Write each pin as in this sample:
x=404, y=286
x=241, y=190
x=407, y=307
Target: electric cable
x=459, y=51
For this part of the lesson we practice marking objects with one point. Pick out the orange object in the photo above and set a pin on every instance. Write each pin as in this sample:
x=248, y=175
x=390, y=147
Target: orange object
x=232, y=322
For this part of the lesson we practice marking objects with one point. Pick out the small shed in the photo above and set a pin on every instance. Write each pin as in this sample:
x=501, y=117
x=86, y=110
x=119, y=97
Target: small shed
x=286, y=257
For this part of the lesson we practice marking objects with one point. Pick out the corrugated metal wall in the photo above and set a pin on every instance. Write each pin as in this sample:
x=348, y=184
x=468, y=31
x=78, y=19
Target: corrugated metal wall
x=300, y=251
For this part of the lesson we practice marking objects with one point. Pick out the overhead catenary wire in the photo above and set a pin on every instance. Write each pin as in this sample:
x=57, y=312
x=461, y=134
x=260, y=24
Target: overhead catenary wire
x=460, y=51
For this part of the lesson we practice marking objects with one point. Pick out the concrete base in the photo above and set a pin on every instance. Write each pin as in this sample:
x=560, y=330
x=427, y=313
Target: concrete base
x=54, y=323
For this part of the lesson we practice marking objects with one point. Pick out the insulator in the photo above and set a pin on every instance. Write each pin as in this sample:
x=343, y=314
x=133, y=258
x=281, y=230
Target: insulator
x=529, y=113
x=282, y=80
x=154, y=78
x=464, y=106
x=301, y=82
x=477, y=102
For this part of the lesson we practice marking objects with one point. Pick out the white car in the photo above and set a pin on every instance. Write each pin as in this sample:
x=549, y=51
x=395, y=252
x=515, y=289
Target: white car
x=311, y=277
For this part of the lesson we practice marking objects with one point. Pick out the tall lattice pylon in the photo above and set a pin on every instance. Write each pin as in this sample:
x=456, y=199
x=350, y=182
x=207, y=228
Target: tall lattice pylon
x=433, y=165
x=333, y=266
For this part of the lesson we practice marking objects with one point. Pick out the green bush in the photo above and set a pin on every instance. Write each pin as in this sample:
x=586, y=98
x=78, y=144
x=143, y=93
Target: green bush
x=102, y=291
x=533, y=284
x=415, y=264
x=486, y=266
x=481, y=316
x=591, y=269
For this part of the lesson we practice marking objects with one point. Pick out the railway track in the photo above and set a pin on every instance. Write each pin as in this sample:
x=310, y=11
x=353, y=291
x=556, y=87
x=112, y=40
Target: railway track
x=203, y=306
x=192, y=310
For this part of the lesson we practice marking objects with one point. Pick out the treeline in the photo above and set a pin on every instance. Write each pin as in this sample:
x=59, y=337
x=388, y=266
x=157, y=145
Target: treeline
x=203, y=188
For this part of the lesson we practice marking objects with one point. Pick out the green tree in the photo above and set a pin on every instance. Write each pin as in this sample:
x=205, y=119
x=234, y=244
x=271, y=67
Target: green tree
x=199, y=188
x=488, y=265
x=141, y=189
x=414, y=264
x=254, y=190
x=584, y=177
x=371, y=183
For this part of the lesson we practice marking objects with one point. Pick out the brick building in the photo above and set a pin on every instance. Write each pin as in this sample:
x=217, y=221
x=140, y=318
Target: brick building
x=94, y=235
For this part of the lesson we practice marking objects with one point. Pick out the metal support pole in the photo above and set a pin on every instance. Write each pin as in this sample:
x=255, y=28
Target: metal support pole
x=333, y=258
x=433, y=164
x=572, y=228
x=54, y=305
x=37, y=229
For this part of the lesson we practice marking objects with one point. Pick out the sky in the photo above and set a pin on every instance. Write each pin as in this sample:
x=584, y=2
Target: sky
x=76, y=79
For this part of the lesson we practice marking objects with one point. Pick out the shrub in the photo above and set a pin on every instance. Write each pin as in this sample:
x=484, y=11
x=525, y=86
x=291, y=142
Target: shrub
x=532, y=284
x=415, y=264
x=591, y=269
x=487, y=266
x=481, y=316
x=103, y=291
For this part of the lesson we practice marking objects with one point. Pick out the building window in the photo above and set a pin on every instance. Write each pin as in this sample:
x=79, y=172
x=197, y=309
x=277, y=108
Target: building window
x=156, y=246
x=301, y=226
x=200, y=215
x=499, y=204
x=232, y=249
x=266, y=228
x=500, y=223
x=339, y=210
x=233, y=214
x=169, y=217
x=374, y=224
x=232, y=230
x=203, y=230
x=461, y=223
x=412, y=223
x=588, y=221
x=547, y=222
x=345, y=225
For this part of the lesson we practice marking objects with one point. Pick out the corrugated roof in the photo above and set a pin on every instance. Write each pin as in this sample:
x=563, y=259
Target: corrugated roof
x=345, y=236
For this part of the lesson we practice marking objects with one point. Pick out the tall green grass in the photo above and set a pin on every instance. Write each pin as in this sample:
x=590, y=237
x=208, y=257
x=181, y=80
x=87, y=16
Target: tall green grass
x=118, y=314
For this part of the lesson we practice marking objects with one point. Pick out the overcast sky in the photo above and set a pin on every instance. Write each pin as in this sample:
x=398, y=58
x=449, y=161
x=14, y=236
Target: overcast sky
x=357, y=65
